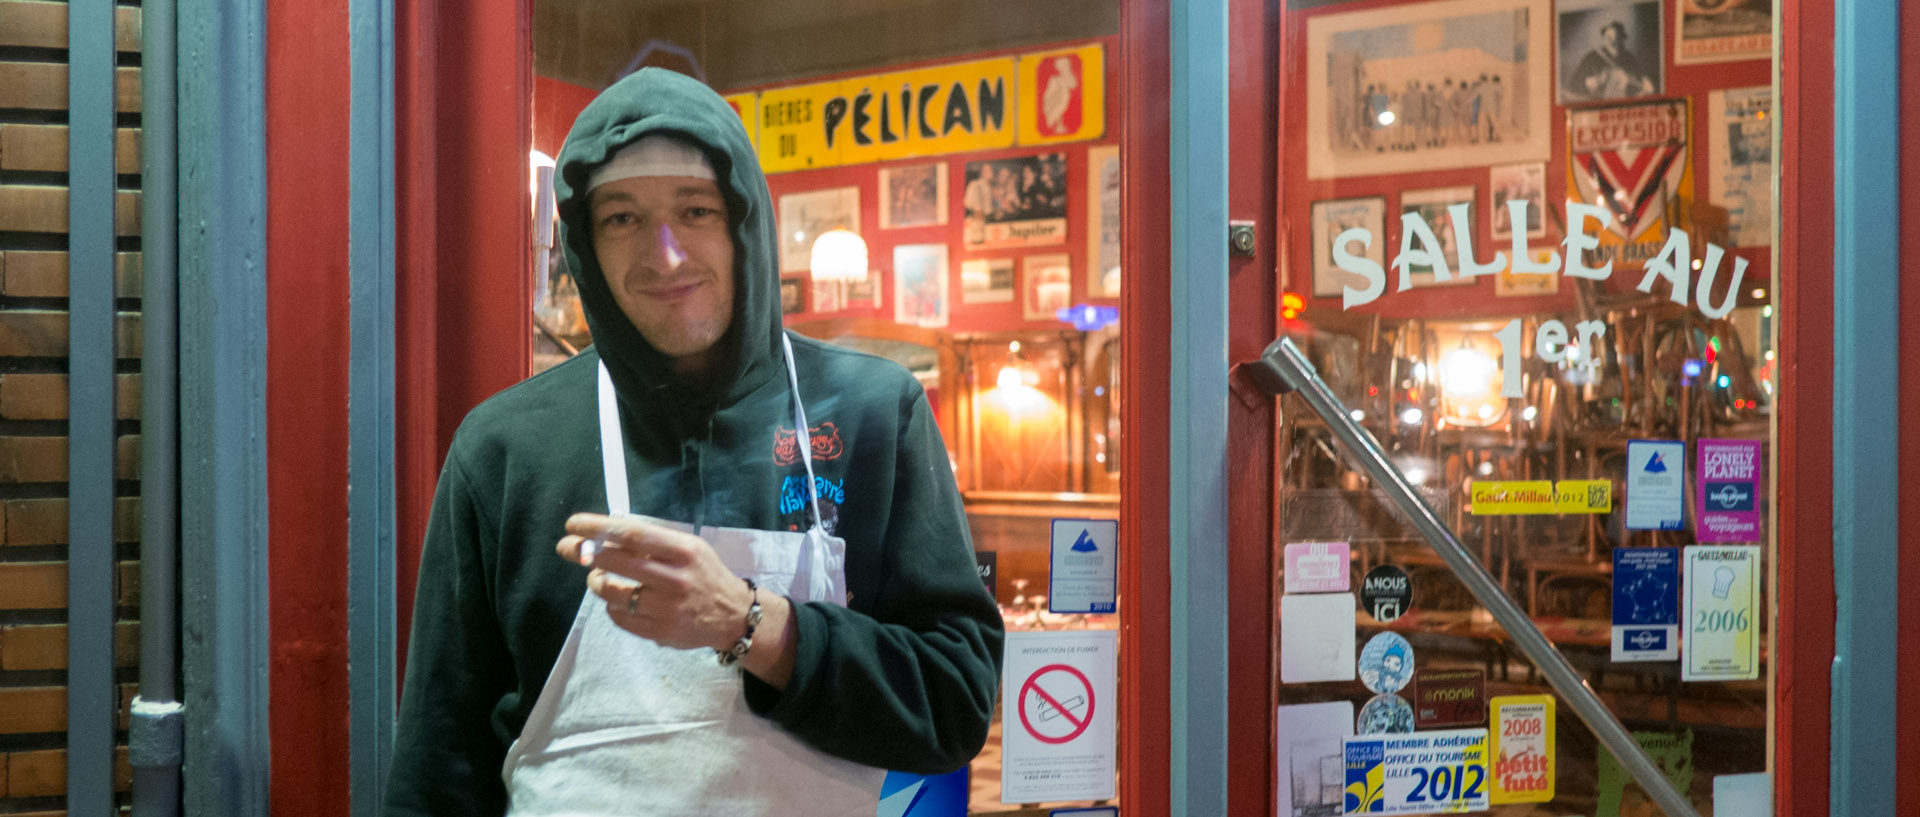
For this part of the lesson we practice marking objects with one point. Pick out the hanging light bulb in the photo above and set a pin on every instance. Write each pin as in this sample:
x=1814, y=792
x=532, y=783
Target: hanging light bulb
x=839, y=255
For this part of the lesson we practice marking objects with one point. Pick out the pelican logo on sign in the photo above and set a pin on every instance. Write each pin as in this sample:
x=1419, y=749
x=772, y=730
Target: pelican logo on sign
x=1061, y=89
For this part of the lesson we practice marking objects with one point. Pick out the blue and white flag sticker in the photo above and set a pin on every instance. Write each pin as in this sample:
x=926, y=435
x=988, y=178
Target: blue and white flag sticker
x=1386, y=663
x=1385, y=713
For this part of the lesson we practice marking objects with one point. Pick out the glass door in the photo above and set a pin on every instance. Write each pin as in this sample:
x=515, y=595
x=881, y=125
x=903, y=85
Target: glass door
x=1530, y=245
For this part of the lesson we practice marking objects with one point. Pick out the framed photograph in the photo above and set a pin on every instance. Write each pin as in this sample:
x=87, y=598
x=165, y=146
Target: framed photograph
x=1527, y=182
x=1427, y=86
x=1610, y=49
x=920, y=285
x=861, y=294
x=913, y=196
x=1020, y=202
x=1509, y=285
x=1103, y=222
x=986, y=281
x=1432, y=205
x=793, y=297
x=1330, y=219
x=804, y=216
x=1740, y=145
x=1048, y=286
x=1722, y=31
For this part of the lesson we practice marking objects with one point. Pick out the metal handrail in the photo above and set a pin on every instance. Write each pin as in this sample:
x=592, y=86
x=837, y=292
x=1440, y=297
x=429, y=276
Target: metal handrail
x=1283, y=368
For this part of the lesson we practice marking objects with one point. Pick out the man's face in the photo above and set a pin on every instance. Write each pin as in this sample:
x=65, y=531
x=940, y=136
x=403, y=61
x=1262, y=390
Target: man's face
x=667, y=251
x=1614, y=37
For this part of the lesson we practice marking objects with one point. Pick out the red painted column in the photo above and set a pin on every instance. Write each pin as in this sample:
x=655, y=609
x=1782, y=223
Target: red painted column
x=1909, y=726
x=1803, y=635
x=1146, y=251
x=464, y=109
x=306, y=338
x=1254, y=145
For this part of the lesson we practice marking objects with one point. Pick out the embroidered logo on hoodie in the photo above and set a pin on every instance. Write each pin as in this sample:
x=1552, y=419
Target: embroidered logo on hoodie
x=826, y=443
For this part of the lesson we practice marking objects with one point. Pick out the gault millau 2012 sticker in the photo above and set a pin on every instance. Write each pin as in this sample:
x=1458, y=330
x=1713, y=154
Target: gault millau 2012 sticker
x=1418, y=773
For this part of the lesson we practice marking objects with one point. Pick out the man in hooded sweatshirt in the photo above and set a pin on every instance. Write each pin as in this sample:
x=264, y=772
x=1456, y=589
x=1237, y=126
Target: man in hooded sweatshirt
x=705, y=566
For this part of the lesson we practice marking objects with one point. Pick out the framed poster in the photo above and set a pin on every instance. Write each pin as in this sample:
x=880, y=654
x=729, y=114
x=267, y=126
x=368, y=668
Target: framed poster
x=793, y=297
x=1048, y=286
x=913, y=196
x=1527, y=182
x=1432, y=206
x=1722, y=31
x=1610, y=49
x=920, y=285
x=986, y=281
x=1018, y=202
x=1427, y=86
x=1330, y=219
x=1740, y=145
x=804, y=216
x=1103, y=222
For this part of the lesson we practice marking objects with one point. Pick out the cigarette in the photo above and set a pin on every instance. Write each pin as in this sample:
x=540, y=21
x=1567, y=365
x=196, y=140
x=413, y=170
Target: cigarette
x=589, y=548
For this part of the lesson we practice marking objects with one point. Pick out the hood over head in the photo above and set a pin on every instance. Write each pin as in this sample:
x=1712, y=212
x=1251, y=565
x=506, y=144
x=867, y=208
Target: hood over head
x=658, y=101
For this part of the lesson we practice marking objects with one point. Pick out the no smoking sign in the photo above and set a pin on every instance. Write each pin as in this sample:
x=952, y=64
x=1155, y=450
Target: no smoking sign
x=1056, y=720
x=1056, y=704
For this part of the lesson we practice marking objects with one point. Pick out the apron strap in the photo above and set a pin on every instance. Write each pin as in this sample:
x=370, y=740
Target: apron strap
x=800, y=427
x=613, y=448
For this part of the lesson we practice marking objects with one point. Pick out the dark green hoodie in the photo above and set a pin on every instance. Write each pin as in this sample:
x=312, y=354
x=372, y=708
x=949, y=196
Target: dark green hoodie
x=902, y=678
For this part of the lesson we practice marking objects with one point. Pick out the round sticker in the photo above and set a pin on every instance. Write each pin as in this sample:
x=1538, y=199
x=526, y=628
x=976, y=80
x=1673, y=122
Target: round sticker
x=1385, y=714
x=1386, y=593
x=1386, y=663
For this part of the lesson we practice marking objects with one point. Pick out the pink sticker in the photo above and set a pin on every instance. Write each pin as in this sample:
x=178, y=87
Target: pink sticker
x=1317, y=567
x=1729, y=491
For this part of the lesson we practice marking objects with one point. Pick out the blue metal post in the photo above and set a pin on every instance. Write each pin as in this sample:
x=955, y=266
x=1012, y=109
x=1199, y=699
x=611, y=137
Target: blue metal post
x=223, y=487
x=91, y=701
x=371, y=614
x=1197, y=399
x=1866, y=407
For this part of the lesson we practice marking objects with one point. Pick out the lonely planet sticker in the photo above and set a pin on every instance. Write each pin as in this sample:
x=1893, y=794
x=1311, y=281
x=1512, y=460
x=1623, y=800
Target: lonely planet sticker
x=1729, y=491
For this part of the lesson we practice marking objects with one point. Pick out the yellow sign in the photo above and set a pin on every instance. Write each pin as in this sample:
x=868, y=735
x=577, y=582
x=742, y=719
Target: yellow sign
x=896, y=115
x=1511, y=498
x=1515, y=498
x=1520, y=748
x=744, y=106
x=1063, y=96
x=1583, y=496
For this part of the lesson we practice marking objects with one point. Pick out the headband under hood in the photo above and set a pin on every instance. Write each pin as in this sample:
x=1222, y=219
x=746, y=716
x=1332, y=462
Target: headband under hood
x=656, y=100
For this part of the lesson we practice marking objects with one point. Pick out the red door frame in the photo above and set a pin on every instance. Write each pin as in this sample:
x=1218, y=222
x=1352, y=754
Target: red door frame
x=1908, y=729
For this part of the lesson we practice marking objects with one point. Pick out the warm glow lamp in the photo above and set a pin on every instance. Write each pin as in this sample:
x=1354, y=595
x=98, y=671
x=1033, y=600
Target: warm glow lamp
x=839, y=255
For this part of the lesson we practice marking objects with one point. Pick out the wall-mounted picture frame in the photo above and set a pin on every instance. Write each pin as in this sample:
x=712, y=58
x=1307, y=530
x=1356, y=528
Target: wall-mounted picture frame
x=1524, y=181
x=1707, y=31
x=920, y=285
x=1418, y=87
x=1018, y=202
x=1330, y=219
x=793, y=294
x=1609, y=50
x=1047, y=281
x=804, y=216
x=1103, y=222
x=913, y=196
x=986, y=281
x=1433, y=205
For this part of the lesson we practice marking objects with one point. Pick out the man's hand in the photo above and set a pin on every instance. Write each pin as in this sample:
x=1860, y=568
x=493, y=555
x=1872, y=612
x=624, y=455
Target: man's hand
x=671, y=588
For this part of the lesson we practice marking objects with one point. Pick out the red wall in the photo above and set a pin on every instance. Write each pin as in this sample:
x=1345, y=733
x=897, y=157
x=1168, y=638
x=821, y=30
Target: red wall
x=964, y=317
x=555, y=105
x=1470, y=300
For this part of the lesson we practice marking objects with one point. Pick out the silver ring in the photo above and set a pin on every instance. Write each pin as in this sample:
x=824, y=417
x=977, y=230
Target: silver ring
x=633, y=599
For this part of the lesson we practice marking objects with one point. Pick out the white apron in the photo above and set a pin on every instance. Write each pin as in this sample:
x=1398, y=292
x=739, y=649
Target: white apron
x=625, y=726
